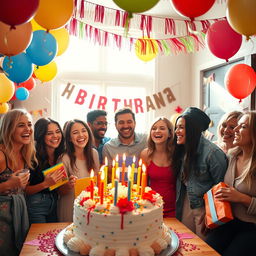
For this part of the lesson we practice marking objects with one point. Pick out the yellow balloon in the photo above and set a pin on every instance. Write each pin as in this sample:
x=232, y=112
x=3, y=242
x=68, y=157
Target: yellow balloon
x=53, y=14
x=241, y=16
x=174, y=118
x=6, y=88
x=47, y=72
x=146, y=49
x=62, y=37
x=36, y=26
x=4, y=107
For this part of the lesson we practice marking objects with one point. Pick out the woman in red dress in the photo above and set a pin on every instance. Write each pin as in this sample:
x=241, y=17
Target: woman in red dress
x=157, y=156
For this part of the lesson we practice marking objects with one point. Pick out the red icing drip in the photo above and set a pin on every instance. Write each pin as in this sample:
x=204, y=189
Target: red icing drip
x=88, y=214
x=122, y=220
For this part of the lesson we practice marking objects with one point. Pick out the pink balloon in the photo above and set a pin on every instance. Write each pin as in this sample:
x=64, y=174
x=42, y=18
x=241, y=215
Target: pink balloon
x=222, y=40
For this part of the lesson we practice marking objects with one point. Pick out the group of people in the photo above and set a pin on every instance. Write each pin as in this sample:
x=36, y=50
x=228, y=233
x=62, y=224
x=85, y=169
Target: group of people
x=182, y=165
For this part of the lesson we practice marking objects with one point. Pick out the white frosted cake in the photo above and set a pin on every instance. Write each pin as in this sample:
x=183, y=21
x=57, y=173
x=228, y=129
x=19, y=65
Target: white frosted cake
x=132, y=227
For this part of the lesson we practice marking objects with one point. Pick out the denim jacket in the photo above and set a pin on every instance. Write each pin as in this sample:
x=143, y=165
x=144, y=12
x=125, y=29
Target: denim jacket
x=210, y=169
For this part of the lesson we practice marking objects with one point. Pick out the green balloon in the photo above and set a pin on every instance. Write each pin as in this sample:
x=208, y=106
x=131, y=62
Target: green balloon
x=136, y=6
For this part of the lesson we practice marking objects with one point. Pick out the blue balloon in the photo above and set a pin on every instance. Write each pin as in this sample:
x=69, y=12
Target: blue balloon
x=43, y=48
x=22, y=93
x=18, y=68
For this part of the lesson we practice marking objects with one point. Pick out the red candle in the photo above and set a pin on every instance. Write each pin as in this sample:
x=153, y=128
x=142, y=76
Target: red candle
x=123, y=168
x=92, y=183
x=102, y=188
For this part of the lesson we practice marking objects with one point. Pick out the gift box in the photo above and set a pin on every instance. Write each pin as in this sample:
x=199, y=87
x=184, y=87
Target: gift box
x=217, y=212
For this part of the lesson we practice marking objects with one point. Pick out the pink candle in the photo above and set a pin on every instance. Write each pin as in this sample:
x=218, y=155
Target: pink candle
x=102, y=188
x=92, y=184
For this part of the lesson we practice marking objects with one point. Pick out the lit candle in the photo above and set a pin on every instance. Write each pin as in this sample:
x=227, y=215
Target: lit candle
x=116, y=186
x=106, y=173
x=143, y=179
x=102, y=188
x=92, y=183
x=113, y=173
x=98, y=179
x=132, y=171
x=123, y=168
x=139, y=175
x=101, y=171
x=117, y=159
x=129, y=192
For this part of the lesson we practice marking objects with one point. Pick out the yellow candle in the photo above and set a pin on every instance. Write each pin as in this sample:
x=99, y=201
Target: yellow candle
x=113, y=173
x=123, y=169
x=106, y=174
x=132, y=171
x=129, y=184
x=143, y=179
x=117, y=158
x=139, y=176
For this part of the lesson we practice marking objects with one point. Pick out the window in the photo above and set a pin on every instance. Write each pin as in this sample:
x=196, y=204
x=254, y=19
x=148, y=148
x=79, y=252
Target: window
x=96, y=75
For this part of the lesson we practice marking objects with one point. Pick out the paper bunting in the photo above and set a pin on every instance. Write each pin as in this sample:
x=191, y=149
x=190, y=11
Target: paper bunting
x=39, y=112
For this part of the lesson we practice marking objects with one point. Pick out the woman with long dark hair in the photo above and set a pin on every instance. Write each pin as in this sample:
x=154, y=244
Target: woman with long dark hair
x=199, y=164
x=79, y=160
x=41, y=202
x=157, y=156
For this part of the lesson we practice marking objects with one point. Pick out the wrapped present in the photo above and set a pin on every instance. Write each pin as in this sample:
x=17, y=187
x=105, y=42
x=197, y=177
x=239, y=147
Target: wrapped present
x=217, y=212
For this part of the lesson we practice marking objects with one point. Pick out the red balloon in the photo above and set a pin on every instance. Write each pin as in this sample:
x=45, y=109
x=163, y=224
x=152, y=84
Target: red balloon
x=16, y=12
x=29, y=84
x=222, y=40
x=192, y=8
x=240, y=81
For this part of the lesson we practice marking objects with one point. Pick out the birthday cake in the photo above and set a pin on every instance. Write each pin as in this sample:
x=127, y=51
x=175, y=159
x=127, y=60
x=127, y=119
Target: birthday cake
x=117, y=225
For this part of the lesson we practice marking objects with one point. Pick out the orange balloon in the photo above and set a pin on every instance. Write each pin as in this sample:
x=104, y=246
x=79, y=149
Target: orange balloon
x=14, y=41
x=4, y=107
x=54, y=14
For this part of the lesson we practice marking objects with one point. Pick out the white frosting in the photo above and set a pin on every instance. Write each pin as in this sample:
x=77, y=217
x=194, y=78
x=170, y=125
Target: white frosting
x=68, y=235
x=114, y=210
x=89, y=203
x=147, y=204
x=122, y=252
x=162, y=243
x=100, y=207
x=97, y=251
x=146, y=251
x=75, y=244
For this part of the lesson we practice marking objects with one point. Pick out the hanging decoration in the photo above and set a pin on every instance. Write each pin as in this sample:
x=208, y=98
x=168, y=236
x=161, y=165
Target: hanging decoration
x=146, y=49
x=171, y=35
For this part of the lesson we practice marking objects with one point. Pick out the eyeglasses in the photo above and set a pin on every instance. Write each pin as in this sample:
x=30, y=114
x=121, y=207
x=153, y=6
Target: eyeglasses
x=101, y=123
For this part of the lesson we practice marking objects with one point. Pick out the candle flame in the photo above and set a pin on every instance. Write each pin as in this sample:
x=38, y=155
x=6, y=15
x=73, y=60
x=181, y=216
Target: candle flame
x=102, y=176
x=113, y=163
x=140, y=162
x=144, y=168
x=117, y=173
x=129, y=172
x=124, y=157
x=117, y=158
x=134, y=159
x=106, y=160
x=102, y=168
x=92, y=173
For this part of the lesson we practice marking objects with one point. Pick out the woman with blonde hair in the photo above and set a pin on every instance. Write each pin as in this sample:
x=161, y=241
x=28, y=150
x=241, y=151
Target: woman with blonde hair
x=79, y=159
x=236, y=237
x=157, y=156
x=17, y=152
x=225, y=130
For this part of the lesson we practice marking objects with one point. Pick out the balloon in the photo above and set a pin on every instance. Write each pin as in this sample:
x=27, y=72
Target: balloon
x=16, y=12
x=222, y=40
x=54, y=14
x=35, y=26
x=146, y=49
x=22, y=93
x=62, y=37
x=240, y=81
x=241, y=16
x=46, y=73
x=192, y=8
x=135, y=6
x=14, y=41
x=6, y=88
x=43, y=48
x=29, y=84
x=18, y=68
x=4, y=107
